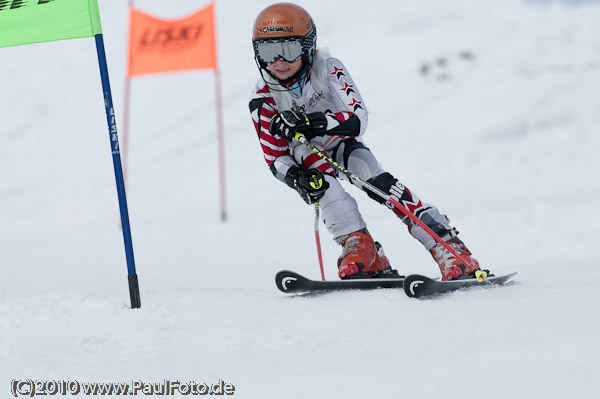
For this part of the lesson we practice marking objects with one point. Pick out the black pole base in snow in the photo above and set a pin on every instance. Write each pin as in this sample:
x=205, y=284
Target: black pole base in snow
x=134, y=291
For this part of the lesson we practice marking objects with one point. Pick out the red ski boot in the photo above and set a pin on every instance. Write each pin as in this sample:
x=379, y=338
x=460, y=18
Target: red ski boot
x=451, y=267
x=362, y=258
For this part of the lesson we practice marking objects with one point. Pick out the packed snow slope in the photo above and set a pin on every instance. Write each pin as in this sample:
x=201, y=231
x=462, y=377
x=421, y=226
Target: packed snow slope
x=487, y=109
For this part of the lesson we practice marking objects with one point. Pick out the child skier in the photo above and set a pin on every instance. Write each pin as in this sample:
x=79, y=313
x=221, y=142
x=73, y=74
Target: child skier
x=305, y=90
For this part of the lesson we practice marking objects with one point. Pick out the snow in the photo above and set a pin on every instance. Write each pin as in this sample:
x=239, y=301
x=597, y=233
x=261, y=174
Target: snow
x=506, y=143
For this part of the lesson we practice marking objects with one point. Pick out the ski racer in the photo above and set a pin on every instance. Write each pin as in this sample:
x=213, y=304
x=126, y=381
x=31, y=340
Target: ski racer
x=304, y=89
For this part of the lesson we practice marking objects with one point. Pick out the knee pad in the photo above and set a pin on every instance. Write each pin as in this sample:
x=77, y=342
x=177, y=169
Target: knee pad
x=351, y=145
x=384, y=182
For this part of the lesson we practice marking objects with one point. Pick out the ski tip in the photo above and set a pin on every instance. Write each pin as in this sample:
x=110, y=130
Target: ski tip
x=414, y=284
x=286, y=280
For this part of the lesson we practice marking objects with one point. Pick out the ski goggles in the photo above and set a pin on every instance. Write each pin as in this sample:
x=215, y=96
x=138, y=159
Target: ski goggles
x=268, y=51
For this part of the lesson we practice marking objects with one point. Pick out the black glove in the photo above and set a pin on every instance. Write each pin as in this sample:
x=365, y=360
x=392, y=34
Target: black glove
x=287, y=123
x=310, y=184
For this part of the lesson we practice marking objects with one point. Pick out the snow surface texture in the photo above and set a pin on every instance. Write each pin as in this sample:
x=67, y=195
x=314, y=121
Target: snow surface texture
x=487, y=109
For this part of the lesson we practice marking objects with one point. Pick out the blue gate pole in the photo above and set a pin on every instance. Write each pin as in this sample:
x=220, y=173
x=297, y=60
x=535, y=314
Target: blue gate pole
x=134, y=289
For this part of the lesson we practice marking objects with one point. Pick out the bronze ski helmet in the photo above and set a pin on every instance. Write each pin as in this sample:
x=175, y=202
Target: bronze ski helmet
x=285, y=31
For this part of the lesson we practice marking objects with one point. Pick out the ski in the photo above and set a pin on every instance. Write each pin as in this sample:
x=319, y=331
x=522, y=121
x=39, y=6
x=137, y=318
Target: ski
x=294, y=283
x=418, y=286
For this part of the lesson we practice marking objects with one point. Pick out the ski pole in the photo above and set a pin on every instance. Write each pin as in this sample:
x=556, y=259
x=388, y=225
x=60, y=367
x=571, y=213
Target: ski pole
x=364, y=185
x=318, y=240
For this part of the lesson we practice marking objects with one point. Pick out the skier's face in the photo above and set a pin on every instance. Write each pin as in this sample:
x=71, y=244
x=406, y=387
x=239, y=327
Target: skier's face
x=285, y=70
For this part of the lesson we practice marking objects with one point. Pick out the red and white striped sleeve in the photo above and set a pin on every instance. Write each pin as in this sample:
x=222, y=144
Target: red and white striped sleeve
x=262, y=109
x=275, y=149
